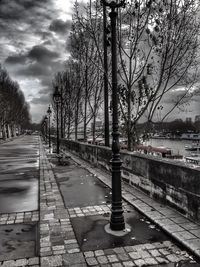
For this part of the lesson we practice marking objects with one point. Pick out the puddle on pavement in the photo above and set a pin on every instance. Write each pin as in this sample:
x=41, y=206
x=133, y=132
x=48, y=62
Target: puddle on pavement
x=18, y=195
x=91, y=235
x=18, y=241
x=80, y=189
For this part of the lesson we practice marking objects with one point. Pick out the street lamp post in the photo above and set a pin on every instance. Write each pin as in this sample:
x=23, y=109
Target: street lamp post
x=43, y=129
x=106, y=109
x=57, y=99
x=49, y=114
x=46, y=122
x=117, y=219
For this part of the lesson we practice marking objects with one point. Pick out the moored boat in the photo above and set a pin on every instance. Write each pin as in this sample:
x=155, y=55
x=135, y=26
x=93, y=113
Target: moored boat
x=193, y=147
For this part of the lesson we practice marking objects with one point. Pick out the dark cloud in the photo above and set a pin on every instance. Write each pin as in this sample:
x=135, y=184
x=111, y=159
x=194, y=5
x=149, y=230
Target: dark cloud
x=16, y=9
x=60, y=26
x=34, y=70
x=45, y=91
x=41, y=53
x=16, y=59
x=29, y=47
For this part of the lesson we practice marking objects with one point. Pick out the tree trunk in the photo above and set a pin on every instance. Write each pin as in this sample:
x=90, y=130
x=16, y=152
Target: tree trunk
x=129, y=121
x=76, y=123
x=85, y=122
x=68, y=128
x=94, y=130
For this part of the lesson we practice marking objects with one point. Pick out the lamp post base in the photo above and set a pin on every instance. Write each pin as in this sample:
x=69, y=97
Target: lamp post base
x=123, y=232
x=117, y=221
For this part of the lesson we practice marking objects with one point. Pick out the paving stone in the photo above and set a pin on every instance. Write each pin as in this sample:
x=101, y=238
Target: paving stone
x=139, y=262
x=117, y=265
x=134, y=255
x=70, y=241
x=74, y=250
x=129, y=248
x=59, y=252
x=149, y=246
x=173, y=258
x=51, y=261
x=75, y=258
x=190, y=226
x=155, y=253
x=58, y=247
x=109, y=251
x=164, y=251
x=150, y=261
x=102, y=259
x=78, y=265
x=99, y=253
x=119, y=250
x=45, y=249
x=33, y=261
x=8, y=263
x=172, y=228
x=123, y=256
x=89, y=254
x=185, y=235
x=20, y=262
x=144, y=254
x=128, y=264
x=112, y=258
x=195, y=232
x=91, y=261
x=71, y=246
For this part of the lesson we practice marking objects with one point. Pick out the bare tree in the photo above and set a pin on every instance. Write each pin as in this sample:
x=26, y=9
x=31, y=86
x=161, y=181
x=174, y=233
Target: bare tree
x=158, y=44
x=14, y=111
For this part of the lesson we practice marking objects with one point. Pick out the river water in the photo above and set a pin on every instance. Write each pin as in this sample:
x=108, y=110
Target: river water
x=177, y=146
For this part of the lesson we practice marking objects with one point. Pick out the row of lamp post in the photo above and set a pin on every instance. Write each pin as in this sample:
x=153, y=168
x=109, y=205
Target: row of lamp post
x=57, y=99
x=117, y=222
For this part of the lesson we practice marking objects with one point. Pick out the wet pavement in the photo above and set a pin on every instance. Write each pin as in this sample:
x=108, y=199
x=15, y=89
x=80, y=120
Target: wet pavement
x=19, y=199
x=80, y=188
x=87, y=200
x=74, y=208
x=91, y=234
x=17, y=241
x=19, y=174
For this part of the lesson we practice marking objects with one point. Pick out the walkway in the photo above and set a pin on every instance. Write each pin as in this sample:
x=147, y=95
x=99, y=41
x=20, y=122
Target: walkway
x=65, y=234
x=74, y=209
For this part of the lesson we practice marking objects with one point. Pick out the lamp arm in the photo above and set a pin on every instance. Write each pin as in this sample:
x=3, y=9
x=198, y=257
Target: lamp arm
x=113, y=4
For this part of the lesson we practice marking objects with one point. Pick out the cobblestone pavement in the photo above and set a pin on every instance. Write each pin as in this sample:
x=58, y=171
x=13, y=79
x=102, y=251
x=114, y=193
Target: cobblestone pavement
x=185, y=231
x=19, y=223
x=58, y=245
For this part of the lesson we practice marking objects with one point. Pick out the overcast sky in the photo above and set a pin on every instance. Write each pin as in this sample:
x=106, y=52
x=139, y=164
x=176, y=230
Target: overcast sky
x=33, y=35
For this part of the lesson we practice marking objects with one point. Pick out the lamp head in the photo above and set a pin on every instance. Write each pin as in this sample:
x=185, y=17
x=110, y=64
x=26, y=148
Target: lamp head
x=113, y=3
x=49, y=110
x=56, y=95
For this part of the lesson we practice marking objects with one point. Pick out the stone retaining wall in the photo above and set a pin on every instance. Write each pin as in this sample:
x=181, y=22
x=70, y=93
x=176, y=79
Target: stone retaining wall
x=172, y=183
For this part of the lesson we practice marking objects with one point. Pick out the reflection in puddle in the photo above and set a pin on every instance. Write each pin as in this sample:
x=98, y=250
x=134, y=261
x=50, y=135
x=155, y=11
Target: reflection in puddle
x=16, y=196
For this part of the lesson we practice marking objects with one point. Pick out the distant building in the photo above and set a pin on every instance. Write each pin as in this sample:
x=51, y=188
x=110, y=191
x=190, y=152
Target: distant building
x=188, y=119
x=190, y=136
x=197, y=118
